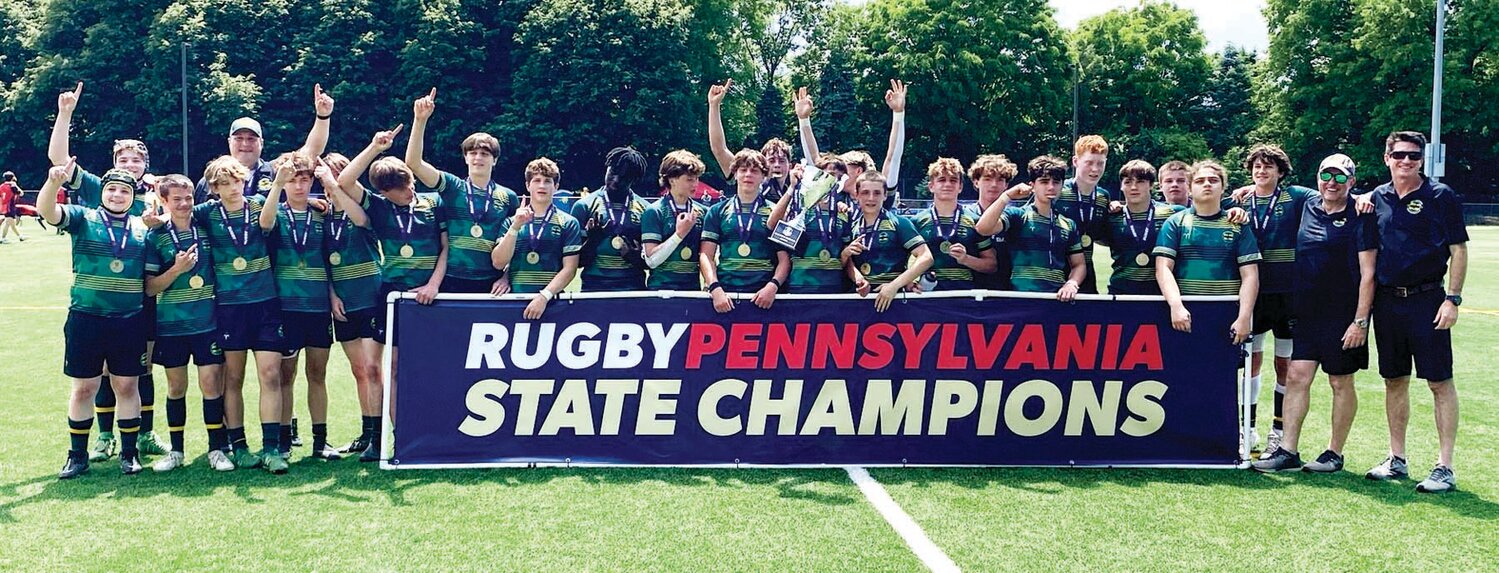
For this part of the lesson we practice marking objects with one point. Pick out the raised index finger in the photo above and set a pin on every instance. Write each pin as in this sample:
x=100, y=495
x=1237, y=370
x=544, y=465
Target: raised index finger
x=78, y=90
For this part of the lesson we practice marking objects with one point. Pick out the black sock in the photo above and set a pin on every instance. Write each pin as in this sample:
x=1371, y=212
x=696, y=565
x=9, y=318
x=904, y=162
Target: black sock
x=1280, y=400
x=284, y=438
x=147, y=388
x=78, y=436
x=104, y=406
x=1254, y=414
x=213, y=421
x=369, y=422
x=319, y=437
x=177, y=420
x=129, y=431
x=237, y=438
x=270, y=436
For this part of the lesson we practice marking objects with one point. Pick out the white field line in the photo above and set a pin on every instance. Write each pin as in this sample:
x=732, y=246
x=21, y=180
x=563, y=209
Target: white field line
x=930, y=555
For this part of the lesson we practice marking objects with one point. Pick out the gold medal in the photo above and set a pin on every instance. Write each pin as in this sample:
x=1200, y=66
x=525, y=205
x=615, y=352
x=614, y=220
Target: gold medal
x=825, y=255
x=744, y=250
x=865, y=268
x=617, y=242
x=945, y=247
x=117, y=266
x=1087, y=241
x=335, y=258
x=407, y=251
x=195, y=282
x=686, y=253
x=476, y=231
x=240, y=263
x=533, y=257
x=1142, y=259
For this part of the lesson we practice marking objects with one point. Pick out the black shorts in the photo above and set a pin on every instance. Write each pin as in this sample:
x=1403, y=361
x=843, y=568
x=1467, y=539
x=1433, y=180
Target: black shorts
x=1404, y=331
x=150, y=312
x=175, y=351
x=361, y=324
x=465, y=286
x=306, y=330
x=1273, y=311
x=89, y=341
x=1324, y=343
x=255, y=326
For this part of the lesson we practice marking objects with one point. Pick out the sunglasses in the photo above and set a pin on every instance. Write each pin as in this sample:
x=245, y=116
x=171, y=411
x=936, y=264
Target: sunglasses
x=1406, y=155
x=1340, y=178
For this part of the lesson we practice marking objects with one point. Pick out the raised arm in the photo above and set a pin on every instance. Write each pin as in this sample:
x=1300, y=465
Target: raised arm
x=993, y=220
x=716, y=140
x=322, y=105
x=895, y=97
x=46, y=199
x=505, y=251
x=421, y=111
x=285, y=170
x=341, y=200
x=57, y=146
x=804, y=124
x=348, y=179
x=184, y=262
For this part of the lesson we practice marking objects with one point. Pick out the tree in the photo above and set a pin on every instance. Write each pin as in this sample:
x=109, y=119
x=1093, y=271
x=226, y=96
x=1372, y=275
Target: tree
x=1226, y=112
x=1144, y=71
x=984, y=76
x=826, y=68
x=591, y=75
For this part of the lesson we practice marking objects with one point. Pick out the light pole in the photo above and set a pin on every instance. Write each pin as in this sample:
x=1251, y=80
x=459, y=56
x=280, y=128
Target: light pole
x=1436, y=156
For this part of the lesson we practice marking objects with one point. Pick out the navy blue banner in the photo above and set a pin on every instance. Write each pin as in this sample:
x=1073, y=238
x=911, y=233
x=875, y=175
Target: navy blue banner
x=643, y=380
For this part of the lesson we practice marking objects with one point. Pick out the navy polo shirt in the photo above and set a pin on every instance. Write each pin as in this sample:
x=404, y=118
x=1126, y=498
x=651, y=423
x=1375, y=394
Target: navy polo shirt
x=1000, y=278
x=1416, y=232
x=1326, y=267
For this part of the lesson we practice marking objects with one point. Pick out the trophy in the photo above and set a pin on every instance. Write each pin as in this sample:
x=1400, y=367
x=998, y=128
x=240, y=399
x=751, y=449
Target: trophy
x=814, y=186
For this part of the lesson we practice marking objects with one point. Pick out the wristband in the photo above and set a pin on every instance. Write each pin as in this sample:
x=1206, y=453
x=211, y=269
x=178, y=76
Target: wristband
x=777, y=282
x=546, y=294
x=898, y=116
x=715, y=286
x=323, y=116
x=805, y=122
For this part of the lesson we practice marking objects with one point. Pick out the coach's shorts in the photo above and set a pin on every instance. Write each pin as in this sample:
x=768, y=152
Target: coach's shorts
x=1324, y=343
x=175, y=351
x=306, y=330
x=465, y=286
x=90, y=340
x=1273, y=312
x=361, y=324
x=1404, y=331
x=255, y=326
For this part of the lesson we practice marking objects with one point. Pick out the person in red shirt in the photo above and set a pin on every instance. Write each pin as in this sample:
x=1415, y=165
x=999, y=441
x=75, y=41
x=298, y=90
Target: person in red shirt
x=10, y=196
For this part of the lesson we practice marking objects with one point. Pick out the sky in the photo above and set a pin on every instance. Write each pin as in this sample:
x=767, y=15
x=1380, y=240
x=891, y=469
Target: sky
x=1237, y=22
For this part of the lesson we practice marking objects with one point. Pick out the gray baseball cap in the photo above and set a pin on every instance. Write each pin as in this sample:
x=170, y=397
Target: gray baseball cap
x=245, y=123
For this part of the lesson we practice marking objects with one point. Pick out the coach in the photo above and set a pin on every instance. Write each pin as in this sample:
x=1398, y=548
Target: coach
x=246, y=142
x=1420, y=228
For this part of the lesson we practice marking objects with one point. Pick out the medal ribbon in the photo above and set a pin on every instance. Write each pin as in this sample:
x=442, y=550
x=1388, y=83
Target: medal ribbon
x=410, y=220
x=867, y=232
x=743, y=224
x=336, y=228
x=172, y=231
x=1260, y=225
x=937, y=222
x=535, y=232
x=486, y=196
x=244, y=224
x=1129, y=221
x=299, y=243
x=116, y=246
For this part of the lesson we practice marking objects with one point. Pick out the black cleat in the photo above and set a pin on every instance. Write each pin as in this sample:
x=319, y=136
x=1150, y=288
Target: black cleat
x=359, y=445
x=130, y=465
x=74, y=467
x=371, y=454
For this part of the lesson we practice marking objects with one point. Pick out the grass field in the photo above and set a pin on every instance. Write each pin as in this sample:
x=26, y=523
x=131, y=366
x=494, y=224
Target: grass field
x=349, y=516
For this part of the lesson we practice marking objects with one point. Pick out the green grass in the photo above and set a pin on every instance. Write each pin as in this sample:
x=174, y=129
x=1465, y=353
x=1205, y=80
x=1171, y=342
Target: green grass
x=347, y=516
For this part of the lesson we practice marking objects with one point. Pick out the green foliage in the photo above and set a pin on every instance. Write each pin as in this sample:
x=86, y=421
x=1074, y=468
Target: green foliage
x=1226, y=112
x=1141, y=68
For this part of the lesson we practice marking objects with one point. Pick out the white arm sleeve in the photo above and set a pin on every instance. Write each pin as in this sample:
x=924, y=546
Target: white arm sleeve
x=665, y=250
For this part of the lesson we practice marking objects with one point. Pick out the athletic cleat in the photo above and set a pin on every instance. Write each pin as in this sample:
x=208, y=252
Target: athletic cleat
x=171, y=461
x=244, y=460
x=130, y=466
x=371, y=454
x=1440, y=480
x=74, y=467
x=219, y=462
x=1254, y=440
x=149, y=445
x=328, y=453
x=273, y=462
x=1281, y=460
x=1326, y=463
x=296, y=437
x=358, y=446
x=103, y=447
x=1393, y=467
x=1271, y=444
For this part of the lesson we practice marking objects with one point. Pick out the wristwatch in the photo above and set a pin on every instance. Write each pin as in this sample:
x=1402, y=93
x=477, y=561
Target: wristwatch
x=1455, y=299
x=1362, y=322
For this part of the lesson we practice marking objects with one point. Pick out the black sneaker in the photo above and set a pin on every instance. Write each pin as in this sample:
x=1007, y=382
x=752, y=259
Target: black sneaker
x=1328, y=462
x=358, y=446
x=1282, y=460
x=296, y=437
x=130, y=465
x=372, y=453
x=75, y=466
